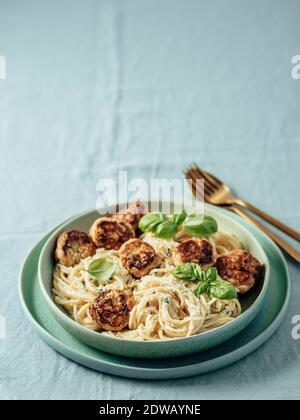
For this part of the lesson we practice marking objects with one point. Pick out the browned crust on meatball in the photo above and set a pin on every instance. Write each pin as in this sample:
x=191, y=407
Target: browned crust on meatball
x=109, y=233
x=72, y=247
x=138, y=257
x=132, y=214
x=239, y=268
x=196, y=250
x=111, y=309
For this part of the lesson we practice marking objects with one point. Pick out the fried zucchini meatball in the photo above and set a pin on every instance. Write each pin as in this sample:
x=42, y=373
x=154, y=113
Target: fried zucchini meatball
x=132, y=214
x=109, y=233
x=239, y=268
x=138, y=257
x=196, y=250
x=111, y=309
x=73, y=246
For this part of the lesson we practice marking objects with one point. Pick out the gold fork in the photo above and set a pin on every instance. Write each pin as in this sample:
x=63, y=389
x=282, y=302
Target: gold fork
x=220, y=194
x=195, y=173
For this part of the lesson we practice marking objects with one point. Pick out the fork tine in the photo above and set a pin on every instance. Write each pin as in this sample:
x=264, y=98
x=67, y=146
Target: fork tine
x=187, y=170
x=192, y=180
x=212, y=179
x=206, y=186
x=198, y=193
x=208, y=177
x=203, y=175
x=195, y=175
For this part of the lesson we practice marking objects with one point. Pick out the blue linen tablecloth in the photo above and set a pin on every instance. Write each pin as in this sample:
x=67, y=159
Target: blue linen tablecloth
x=93, y=87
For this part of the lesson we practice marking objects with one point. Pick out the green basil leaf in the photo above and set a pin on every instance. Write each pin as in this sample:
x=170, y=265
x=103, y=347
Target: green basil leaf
x=197, y=225
x=201, y=288
x=102, y=269
x=188, y=271
x=166, y=230
x=179, y=218
x=150, y=221
x=222, y=289
x=209, y=274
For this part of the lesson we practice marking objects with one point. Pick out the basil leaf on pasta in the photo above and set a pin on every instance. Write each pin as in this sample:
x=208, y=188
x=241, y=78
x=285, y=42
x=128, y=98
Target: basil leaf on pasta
x=179, y=218
x=188, y=271
x=221, y=289
x=208, y=281
x=209, y=274
x=166, y=227
x=150, y=221
x=102, y=269
x=201, y=288
x=198, y=225
x=166, y=230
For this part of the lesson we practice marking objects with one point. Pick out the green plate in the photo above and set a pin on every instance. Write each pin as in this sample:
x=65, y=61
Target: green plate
x=260, y=330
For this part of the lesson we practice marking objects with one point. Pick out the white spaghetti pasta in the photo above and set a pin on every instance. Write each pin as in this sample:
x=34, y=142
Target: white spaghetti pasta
x=75, y=289
x=225, y=243
x=164, y=307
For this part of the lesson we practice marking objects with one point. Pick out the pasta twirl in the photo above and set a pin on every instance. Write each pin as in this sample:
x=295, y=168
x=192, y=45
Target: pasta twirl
x=164, y=307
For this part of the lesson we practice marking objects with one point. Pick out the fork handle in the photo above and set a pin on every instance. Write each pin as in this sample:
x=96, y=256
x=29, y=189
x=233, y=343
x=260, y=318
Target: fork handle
x=282, y=243
x=282, y=226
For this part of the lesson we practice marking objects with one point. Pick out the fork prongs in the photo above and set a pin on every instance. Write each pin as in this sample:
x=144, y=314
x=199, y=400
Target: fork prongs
x=210, y=179
x=194, y=173
x=194, y=185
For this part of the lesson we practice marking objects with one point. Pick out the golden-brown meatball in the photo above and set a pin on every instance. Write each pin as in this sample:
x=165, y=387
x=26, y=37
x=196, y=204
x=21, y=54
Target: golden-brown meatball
x=132, y=214
x=111, y=309
x=109, y=233
x=73, y=246
x=138, y=257
x=239, y=268
x=196, y=250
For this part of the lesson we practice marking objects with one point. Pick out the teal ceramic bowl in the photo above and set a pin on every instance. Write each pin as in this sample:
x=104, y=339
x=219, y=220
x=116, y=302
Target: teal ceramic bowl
x=251, y=302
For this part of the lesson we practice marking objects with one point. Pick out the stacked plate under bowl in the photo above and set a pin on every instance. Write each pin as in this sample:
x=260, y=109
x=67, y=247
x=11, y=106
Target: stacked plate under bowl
x=263, y=310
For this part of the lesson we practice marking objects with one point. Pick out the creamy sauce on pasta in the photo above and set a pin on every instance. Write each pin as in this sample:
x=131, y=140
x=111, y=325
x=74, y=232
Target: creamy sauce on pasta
x=164, y=307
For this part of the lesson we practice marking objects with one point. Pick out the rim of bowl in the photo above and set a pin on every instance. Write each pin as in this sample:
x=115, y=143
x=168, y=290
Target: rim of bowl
x=56, y=308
